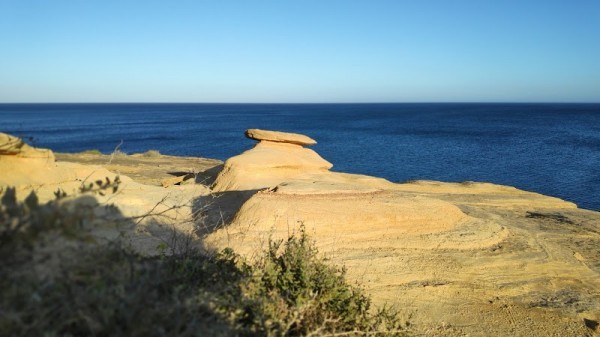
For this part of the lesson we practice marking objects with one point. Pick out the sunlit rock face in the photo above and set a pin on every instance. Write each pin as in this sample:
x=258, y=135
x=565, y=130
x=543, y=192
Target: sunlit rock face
x=278, y=157
x=14, y=146
x=280, y=137
x=458, y=258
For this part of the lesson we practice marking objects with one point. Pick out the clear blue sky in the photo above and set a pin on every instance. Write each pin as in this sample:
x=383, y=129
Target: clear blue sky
x=299, y=51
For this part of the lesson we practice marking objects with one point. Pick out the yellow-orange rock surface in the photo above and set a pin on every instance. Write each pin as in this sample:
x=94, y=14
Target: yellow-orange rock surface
x=268, y=164
x=280, y=137
x=459, y=259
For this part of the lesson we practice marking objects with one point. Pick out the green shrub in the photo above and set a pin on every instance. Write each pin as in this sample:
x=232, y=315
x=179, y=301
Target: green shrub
x=92, y=152
x=307, y=294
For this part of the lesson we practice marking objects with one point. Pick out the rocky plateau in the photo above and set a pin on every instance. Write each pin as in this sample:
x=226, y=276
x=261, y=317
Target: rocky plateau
x=458, y=259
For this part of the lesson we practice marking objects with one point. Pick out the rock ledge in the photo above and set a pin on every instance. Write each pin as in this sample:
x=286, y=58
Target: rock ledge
x=280, y=137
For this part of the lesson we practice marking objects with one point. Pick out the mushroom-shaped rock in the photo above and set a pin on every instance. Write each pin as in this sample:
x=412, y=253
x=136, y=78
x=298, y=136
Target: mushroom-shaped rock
x=280, y=137
x=278, y=157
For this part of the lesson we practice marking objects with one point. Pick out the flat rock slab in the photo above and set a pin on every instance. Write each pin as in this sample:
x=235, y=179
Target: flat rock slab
x=280, y=137
x=145, y=169
x=331, y=183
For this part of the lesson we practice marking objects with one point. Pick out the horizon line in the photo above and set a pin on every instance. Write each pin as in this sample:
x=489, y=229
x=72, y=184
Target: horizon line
x=308, y=103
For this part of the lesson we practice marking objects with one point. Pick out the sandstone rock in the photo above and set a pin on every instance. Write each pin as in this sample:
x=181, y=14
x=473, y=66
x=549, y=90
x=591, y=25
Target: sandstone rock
x=14, y=146
x=10, y=145
x=267, y=165
x=280, y=137
x=459, y=259
x=148, y=214
x=176, y=180
x=446, y=252
x=331, y=183
x=456, y=253
x=21, y=164
x=341, y=221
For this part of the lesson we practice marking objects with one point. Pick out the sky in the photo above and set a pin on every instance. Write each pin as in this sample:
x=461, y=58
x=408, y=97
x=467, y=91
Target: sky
x=318, y=51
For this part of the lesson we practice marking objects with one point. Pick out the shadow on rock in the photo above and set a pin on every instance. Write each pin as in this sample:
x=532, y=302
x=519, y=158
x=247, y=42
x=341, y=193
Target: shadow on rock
x=66, y=260
x=209, y=176
x=40, y=234
x=217, y=210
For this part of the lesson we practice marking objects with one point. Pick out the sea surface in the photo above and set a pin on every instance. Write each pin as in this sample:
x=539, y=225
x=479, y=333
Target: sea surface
x=552, y=149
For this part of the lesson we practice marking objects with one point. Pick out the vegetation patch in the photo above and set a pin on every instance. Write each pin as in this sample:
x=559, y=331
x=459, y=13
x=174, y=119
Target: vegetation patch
x=92, y=152
x=56, y=280
x=556, y=217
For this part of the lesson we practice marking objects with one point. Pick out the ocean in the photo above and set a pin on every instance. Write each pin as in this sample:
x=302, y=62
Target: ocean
x=552, y=149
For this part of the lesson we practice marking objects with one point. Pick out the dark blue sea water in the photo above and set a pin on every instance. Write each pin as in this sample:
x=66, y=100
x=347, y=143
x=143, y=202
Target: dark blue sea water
x=553, y=149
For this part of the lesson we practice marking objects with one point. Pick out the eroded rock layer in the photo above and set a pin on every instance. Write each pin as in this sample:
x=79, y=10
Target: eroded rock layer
x=267, y=165
x=459, y=259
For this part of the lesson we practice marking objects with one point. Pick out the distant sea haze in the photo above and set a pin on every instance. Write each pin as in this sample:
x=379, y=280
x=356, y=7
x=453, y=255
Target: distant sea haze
x=553, y=149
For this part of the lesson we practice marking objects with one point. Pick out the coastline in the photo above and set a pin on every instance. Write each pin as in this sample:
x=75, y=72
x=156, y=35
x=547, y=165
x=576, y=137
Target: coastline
x=547, y=148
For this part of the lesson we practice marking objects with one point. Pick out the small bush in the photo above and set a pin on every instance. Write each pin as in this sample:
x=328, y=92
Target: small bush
x=92, y=152
x=151, y=154
x=306, y=295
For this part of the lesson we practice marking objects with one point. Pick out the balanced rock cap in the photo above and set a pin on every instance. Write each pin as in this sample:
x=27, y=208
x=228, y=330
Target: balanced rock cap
x=280, y=137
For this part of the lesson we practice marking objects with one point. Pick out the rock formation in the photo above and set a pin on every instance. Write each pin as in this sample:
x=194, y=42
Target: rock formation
x=14, y=146
x=31, y=169
x=280, y=137
x=278, y=157
x=22, y=164
x=459, y=258
x=296, y=187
